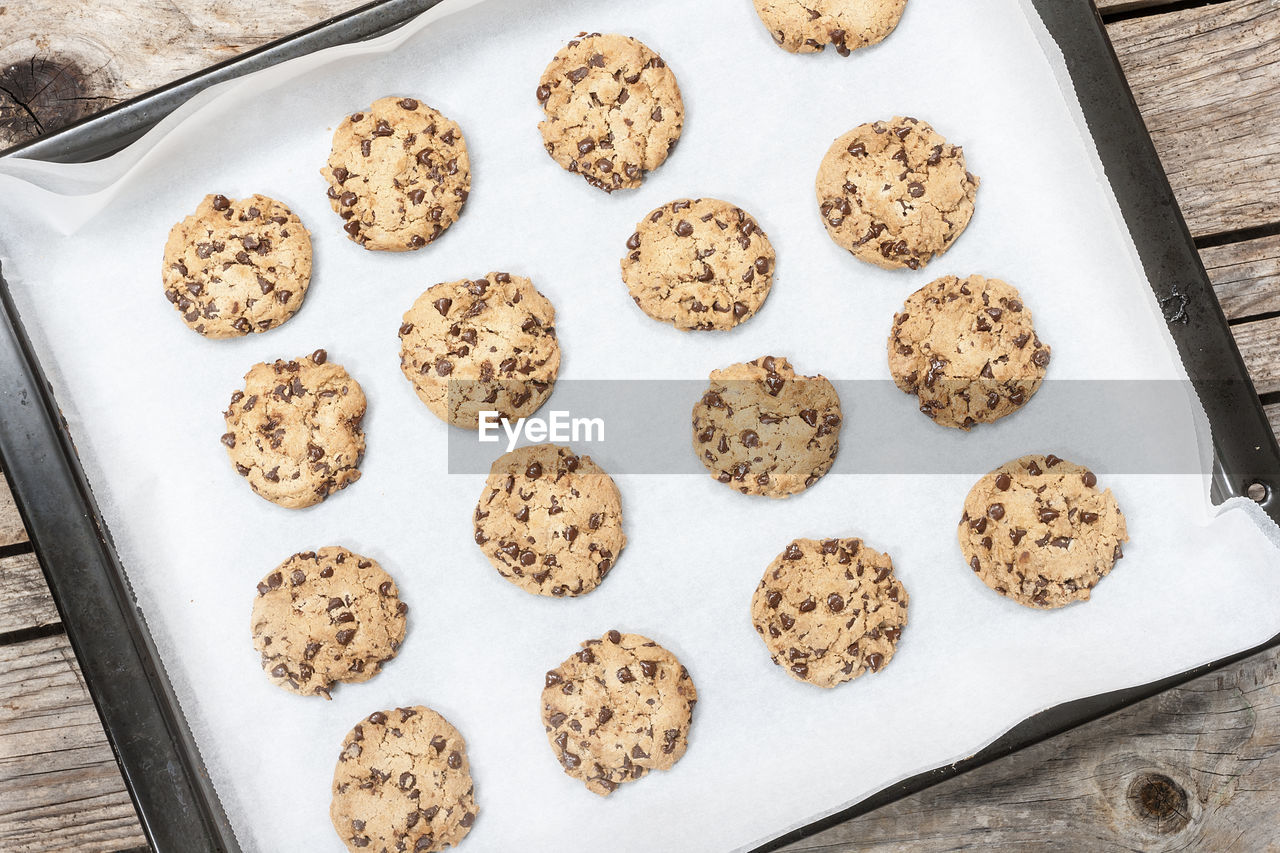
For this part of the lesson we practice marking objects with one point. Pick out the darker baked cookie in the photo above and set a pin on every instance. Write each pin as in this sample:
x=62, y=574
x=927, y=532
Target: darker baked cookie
x=550, y=521
x=763, y=430
x=613, y=110
x=830, y=610
x=618, y=709
x=325, y=616
x=967, y=349
x=237, y=266
x=403, y=783
x=483, y=345
x=294, y=431
x=699, y=264
x=808, y=26
x=1037, y=530
x=895, y=194
x=398, y=174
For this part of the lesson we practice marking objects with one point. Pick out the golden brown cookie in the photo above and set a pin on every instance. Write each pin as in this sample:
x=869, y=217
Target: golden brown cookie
x=763, y=429
x=830, y=610
x=294, y=432
x=895, y=194
x=326, y=616
x=237, y=266
x=617, y=709
x=398, y=174
x=808, y=26
x=486, y=345
x=403, y=783
x=699, y=264
x=967, y=349
x=1038, y=531
x=550, y=521
x=613, y=110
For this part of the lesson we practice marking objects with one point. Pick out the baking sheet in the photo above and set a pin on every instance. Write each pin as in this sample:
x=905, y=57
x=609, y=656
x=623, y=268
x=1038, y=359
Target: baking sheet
x=143, y=398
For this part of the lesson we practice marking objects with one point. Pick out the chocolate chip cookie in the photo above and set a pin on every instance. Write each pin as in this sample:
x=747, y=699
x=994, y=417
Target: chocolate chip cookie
x=294, y=431
x=403, y=782
x=325, y=616
x=613, y=110
x=1037, y=530
x=967, y=349
x=808, y=26
x=398, y=174
x=699, y=264
x=237, y=266
x=830, y=610
x=895, y=194
x=764, y=430
x=618, y=709
x=485, y=345
x=550, y=521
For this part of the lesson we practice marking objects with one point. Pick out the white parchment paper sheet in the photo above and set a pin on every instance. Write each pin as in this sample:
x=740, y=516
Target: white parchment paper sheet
x=143, y=397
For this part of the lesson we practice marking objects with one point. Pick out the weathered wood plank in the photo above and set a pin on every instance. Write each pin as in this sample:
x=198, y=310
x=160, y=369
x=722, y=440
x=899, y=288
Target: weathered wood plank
x=25, y=601
x=1111, y=7
x=1245, y=276
x=1213, y=111
x=11, y=530
x=1195, y=768
x=1257, y=341
x=60, y=788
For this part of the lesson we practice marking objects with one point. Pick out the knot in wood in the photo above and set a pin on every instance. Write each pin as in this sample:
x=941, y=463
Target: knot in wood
x=1159, y=802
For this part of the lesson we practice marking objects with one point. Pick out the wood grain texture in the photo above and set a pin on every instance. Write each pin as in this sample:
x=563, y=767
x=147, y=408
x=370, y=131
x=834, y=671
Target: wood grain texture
x=1245, y=276
x=1215, y=742
x=11, y=530
x=60, y=788
x=1213, y=112
x=25, y=602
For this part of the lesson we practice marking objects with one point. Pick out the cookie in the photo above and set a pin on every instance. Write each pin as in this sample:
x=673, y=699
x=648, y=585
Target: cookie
x=550, y=521
x=618, y=709
x=967, y=349
x=398, y=174
x=485, y=345
x=764, y=430
x=895, y=194
x=294, y=431
x=1037, y=530
x=325, y=616
x=403, y=782
x=808, y=26
x=613, y=110
x=699, y=264
x=237, y=266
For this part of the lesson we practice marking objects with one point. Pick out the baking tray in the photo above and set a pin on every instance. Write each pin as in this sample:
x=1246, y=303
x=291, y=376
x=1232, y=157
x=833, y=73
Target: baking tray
x=176, y=803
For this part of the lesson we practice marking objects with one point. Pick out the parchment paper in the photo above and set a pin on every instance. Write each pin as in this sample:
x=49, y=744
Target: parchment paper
x=143, y=397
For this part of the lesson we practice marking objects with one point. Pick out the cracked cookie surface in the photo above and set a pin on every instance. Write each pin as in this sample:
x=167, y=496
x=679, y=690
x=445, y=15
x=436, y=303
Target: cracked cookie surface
x=763, y=429
x=237, y=266
x=403, y=782
x=617, y=709
x=1038, y=531
x=398, y=174
x=699, y=264
x=326, y=616
x=613, y=110
x=830, y=610
x=967, y=348
x=895, y=194
x=484, y=345
x=294, y=432
x=808, y=26
x=550, y=521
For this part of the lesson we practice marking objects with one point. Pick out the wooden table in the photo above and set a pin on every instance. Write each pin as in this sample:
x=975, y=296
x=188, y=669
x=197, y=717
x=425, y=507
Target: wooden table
x=1196, y=767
